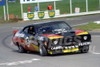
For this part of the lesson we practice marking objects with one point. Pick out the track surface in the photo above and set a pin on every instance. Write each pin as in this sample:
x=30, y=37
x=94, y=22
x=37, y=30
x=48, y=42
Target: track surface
x=10, y=57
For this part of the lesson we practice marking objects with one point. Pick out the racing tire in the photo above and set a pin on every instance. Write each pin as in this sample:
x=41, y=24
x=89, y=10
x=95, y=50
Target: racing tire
x=85, y=49
x=42, y=50
x=21, y=49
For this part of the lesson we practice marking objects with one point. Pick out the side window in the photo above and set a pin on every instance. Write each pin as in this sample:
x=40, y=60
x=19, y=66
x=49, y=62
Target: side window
x=31, y=30
x=26, y=30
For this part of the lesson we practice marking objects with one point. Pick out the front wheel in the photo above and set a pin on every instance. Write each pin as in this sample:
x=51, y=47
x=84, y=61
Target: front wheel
x=42, y=50
x=85, y=49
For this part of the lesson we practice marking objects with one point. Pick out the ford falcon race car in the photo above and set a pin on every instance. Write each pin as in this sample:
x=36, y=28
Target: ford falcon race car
x=51, y=38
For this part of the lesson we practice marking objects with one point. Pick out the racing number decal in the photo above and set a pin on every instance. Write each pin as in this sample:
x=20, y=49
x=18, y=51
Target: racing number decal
x=19, y=35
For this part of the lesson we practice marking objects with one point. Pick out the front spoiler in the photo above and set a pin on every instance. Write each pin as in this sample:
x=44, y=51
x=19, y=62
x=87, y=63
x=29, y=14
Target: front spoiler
x=68, y=49
x=64, y=51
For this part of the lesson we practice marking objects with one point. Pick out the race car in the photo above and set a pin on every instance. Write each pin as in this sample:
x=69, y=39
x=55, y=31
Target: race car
x=52, y=37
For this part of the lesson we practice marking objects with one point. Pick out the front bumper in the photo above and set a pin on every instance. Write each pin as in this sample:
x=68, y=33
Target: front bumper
x=67, y=49
x=64, y=51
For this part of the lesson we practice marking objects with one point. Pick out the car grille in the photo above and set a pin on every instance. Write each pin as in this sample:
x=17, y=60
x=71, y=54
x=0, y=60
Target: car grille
x=70, y=41
x=61, y=42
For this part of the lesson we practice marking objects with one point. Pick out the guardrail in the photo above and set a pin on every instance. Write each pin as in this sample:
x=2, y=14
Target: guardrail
x=59, y=16
x=78, y=14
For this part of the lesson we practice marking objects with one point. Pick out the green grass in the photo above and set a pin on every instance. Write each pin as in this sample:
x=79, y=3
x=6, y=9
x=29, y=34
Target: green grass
x=63, y=6
x=90, y=26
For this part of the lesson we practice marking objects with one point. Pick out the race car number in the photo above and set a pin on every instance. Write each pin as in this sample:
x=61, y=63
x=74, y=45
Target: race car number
x=19, y=35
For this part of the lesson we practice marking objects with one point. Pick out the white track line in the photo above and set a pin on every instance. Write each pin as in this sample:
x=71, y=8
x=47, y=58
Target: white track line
x=74, y=19
x=79, y=24
x=95, y=35
x=17, y=27
x=92, y=50
x=72, y=26
x=11, y=43
x=19, y=62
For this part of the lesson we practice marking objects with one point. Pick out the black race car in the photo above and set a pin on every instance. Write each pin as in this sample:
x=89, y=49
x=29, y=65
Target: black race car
x=51, y=38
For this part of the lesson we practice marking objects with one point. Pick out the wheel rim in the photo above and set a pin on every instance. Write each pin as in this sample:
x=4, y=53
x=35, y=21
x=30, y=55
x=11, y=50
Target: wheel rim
x=41, y=52
x=19, y=48
x=86, y=48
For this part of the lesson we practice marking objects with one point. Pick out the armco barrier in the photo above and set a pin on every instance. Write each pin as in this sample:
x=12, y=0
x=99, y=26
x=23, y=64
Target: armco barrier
x=41, y=15
x=57, y=15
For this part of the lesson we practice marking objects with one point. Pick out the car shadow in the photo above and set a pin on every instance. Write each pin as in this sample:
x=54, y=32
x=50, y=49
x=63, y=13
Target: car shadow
x=53, y=55
x=65, y=54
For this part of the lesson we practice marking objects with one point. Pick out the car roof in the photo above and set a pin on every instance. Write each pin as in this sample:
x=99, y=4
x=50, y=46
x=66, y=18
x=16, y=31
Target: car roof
x=39, y=23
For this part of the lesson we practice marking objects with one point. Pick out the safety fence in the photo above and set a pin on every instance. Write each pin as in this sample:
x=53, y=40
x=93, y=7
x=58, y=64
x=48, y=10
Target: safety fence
x=66, y=7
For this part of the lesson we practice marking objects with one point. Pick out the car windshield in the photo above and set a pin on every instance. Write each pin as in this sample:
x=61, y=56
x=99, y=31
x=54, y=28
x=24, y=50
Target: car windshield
x=49, y=28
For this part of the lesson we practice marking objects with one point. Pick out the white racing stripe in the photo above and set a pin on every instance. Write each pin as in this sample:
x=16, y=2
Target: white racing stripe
x=19, y=62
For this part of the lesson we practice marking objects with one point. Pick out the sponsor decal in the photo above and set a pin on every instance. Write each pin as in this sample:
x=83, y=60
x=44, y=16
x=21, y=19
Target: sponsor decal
x=63, y=47
x=19, y=35
x=55, y=37
x=51, y=14
x=41, y=15
x=61, y=30
x=12, y=1
x=30, y=16
x=2, y=2
x=36, y=48
x=71, y=50
x=85, y=43
x=82, y=33
x=52, y=36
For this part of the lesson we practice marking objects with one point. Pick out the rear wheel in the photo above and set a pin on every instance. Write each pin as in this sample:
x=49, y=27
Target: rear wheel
x=21, y=49
x=42, y=50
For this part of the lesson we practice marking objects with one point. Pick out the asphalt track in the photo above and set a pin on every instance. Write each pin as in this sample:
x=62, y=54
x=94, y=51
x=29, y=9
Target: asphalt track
x=9, y=57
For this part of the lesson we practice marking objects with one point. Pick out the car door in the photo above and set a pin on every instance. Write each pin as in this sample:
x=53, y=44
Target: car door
x=29, y=38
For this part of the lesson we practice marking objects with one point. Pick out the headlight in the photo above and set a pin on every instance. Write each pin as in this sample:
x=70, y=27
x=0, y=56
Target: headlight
x=55, y=42
x=85, y=37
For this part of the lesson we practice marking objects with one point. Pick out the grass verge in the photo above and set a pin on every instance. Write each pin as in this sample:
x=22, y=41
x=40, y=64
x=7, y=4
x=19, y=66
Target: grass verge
x=89, y=27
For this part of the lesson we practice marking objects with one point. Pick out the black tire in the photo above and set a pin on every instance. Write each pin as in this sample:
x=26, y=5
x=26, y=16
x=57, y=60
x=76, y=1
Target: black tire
x=42, y=50
x=85, y=49
x=21, y=49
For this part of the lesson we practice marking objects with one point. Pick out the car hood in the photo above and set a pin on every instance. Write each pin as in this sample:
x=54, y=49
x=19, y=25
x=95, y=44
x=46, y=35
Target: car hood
x=61, y=35
x=52, y=36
